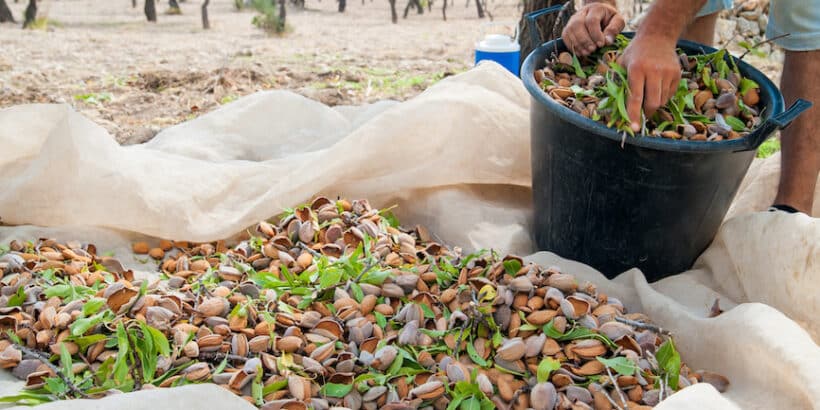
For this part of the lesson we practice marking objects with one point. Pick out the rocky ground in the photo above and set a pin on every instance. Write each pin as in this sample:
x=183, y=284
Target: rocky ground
x=135, y=78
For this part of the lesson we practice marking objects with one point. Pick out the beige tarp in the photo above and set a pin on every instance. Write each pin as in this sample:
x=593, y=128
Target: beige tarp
x=455, y=159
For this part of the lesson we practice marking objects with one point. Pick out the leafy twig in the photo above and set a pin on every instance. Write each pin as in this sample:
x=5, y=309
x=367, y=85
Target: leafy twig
x=64, y=377
x=749, y=50
x=642, y=325
x=366, y=269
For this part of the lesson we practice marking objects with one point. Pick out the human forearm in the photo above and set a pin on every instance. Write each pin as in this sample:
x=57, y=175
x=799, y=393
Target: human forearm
x=666, y=20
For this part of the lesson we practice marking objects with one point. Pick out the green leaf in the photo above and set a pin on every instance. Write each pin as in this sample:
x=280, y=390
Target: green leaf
x=84, y=341
x=474, y=356
x=18, y=298
x=56, y=385
x=497, y=339
x=120, y=364
x=274, y=387
x=82, y=325
x=28, y=399
x=620, y=364
x=547, y=366
x=14, y=338
x=390, y=218
x=267, y=280
x=358, y=294
x=221, y=366
x=330, y=277
x=380, y=319
x=512, y=266
x=471, y=403
x=376, y=277
x=577, y=66
x=428, y=313
x=670, y=362
x=65, y=361
x=335, y=390
x=735, y=123
x=526, y=327
x=396, y=365
x=159, y=339
x=576, y=333
x=257, y=388
x=93, y=306
x=746, y=85
x=768, y=148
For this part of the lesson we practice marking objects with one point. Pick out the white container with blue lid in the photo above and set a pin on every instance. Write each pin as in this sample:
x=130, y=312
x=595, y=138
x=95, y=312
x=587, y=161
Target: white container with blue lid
x=501, y=48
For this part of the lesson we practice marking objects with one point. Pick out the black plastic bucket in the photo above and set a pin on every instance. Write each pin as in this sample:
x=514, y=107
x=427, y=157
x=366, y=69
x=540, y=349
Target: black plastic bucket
x=645, y=202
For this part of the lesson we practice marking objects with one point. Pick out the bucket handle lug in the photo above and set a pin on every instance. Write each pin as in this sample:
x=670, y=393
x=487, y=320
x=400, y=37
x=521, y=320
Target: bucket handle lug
x=535, y=33
x=778, y=122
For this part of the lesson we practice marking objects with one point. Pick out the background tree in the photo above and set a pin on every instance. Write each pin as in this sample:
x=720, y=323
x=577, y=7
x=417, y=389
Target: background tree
x=550, y=26
x=5, y=13
x=393, y=15
x=151, y=11
x=30, y=14
x=205, y=23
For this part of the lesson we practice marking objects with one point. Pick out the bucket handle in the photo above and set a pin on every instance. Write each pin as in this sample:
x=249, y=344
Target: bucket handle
x=535, y=32
x=777, y=122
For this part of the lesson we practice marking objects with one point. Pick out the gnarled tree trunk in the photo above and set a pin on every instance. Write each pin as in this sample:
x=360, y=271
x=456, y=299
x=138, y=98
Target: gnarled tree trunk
x=206, y=24
x=151, y=11
x=342, y=5
x=479, y=8
x=31, y=13
x=547, y=26
x=282, y=15
x=5, y=13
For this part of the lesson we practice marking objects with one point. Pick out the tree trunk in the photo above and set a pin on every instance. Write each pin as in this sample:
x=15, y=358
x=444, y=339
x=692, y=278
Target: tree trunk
x=444, y=10
x=393, y=15
x=134, y=3
x=5, y=13
x=419, y=6
x=479, y=8
x=151, y=11
x=173, y=4
x=206, y=24
x=547, y=26
x=31, y=13
x=282, y=15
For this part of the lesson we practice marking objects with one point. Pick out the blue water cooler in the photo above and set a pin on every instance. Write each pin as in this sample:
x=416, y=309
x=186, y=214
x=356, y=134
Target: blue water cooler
x=501, y=48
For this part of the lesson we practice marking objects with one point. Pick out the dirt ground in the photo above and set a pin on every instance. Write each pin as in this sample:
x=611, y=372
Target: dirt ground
x=135, y=78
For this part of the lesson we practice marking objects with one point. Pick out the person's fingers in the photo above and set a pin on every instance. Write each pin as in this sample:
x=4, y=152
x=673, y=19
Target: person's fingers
x=595, y=18
x=635, y=99
x=653, y=88
x=616, y=25
x=570, y=41
x=669, y=90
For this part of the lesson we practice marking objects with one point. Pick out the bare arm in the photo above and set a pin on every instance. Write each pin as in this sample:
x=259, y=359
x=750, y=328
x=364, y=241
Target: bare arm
x=652, y=66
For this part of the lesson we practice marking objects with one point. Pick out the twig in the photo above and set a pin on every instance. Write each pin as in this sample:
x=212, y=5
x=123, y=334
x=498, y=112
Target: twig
x=618, y=389
x=749, y=50
x=219, y=356
x=642, y=325
x=366, y=269
x=71, y=386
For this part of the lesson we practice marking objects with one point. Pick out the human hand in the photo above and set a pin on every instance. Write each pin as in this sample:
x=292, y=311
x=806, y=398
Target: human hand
x=654, y=72
x=592, y=27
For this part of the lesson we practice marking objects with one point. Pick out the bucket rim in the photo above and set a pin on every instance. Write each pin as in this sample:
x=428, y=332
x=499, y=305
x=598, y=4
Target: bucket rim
x=768, y=92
